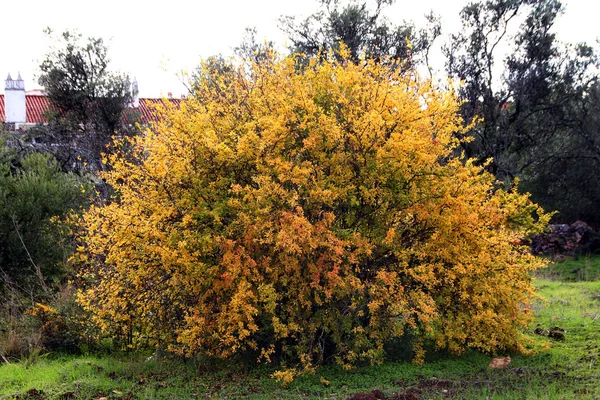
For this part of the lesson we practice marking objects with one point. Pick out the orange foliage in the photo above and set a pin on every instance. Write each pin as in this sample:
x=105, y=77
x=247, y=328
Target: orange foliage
x=309, y=216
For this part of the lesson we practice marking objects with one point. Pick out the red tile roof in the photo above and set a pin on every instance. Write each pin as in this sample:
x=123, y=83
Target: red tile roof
x=36, y=105
x=147, y=108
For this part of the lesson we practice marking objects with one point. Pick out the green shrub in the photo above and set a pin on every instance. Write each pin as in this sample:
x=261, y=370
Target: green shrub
x=36, y=202
x=35, y=198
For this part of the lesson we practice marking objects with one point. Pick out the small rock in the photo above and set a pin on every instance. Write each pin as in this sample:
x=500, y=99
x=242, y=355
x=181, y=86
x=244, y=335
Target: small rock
x=499, y=362
x=541, y=331
x=557, y=333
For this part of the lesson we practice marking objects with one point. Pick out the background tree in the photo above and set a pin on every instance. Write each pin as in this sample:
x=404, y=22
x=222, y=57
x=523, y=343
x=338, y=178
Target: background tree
x=532, y=108
x=567, y=179
x=88, y=101
x=363, y=31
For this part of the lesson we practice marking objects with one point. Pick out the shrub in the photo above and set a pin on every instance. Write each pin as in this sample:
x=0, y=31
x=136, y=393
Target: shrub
x=35, y=199
x=308, y=216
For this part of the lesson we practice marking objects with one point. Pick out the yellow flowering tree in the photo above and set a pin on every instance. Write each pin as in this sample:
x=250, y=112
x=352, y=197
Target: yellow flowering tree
x=308, y=216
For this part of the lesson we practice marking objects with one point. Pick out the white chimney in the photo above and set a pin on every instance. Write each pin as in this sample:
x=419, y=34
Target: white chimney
x=14, y=101
x=135, y=93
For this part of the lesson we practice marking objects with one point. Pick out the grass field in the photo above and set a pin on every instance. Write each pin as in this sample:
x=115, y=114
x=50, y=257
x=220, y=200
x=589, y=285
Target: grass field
x=574, y=269
x=565, y=366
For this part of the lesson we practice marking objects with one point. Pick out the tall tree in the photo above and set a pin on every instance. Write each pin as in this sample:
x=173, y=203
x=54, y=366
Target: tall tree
x=364, y=31
x=88, y=100
x=531, y=106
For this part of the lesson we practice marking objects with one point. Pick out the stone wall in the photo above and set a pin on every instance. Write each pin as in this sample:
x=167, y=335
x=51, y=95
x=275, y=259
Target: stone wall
x=564, y=239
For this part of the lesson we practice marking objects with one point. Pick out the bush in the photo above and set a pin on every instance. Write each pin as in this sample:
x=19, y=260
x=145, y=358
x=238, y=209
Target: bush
x=35, y=199
x=62, y=324
x=308, y=216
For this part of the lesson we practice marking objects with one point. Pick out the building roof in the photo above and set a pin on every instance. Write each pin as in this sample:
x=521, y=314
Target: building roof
x=147, y=108
x=36, y=105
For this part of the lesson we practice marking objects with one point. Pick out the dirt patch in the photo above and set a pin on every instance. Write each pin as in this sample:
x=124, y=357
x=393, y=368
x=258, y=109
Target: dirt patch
x=374, y=394
x=410, y=394
x=422, y=389
x=435, y=383
x=32, y=394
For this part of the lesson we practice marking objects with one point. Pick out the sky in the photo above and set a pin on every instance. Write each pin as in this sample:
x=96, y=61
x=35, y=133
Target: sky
x=156, y=41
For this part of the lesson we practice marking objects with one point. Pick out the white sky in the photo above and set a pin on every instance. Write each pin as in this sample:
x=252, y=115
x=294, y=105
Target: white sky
x=153, y=41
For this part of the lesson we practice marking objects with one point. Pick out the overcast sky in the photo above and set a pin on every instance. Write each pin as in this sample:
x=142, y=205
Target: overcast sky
x=153, y=40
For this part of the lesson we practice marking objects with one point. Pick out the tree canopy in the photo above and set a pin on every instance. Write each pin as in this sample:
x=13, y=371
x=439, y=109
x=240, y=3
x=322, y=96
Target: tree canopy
x=365, y=32
x=88, y=101
x=535, y=118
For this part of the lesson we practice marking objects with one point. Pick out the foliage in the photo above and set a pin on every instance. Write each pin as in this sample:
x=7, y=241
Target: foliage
x=567, y=180
x=18, y=335
x=88, y=101
x=560, y=369
x=308, y=216
x=29, y=328
x=537, y=119
x=364, y=32
x=35, y=198
x=62, y=326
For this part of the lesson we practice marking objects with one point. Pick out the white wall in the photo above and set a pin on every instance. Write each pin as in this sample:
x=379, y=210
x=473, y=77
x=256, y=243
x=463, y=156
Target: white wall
x=14, y=106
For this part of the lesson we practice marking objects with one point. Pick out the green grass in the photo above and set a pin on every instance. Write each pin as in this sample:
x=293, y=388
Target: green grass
x=573, y=269
x=561, y=369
